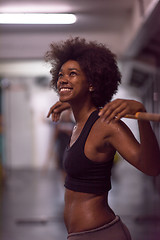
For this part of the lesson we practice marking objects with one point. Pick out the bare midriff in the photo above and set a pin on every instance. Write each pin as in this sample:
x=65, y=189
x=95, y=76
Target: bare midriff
x=85, y=211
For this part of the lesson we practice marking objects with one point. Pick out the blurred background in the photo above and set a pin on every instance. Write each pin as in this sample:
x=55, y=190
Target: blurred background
x=31, y=177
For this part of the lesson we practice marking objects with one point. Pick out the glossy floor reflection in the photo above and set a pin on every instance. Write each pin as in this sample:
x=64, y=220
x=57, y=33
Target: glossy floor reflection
x=31, y=204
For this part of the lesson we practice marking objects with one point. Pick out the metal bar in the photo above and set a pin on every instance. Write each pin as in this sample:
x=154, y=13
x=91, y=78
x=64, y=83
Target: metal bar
x=155, y=117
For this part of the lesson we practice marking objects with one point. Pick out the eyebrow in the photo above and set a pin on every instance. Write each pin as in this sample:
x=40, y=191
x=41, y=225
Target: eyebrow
x=70, y=69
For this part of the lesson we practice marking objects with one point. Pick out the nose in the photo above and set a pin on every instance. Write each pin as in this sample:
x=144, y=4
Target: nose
x=62, y=81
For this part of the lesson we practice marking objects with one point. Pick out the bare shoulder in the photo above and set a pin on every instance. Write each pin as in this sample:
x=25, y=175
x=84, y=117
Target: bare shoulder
x=103, y=134
x=113, y=133
x=110, y=129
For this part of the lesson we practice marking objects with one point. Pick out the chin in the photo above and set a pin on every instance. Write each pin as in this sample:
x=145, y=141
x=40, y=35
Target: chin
x=63, y=99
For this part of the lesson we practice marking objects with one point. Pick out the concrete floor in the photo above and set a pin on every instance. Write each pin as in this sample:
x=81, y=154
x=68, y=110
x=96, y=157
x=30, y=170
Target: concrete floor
x=31, y=204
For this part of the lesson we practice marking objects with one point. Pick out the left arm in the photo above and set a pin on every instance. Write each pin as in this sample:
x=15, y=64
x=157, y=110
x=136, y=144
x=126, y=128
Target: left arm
x=144, y=155
x=149, y=149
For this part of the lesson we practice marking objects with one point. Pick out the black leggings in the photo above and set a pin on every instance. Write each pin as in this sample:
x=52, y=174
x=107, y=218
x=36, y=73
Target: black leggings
x=115, y=230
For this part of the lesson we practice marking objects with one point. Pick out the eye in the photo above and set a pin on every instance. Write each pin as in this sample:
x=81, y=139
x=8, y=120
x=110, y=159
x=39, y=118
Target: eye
x=73, y=73
x=60, y=75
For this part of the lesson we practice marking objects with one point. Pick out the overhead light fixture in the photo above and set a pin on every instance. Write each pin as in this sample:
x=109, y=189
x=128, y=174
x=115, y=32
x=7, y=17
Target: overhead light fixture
x=37, y=18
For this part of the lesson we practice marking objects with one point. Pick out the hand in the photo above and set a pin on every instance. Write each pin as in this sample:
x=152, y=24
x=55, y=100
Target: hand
x=119, y=108
x=56, y=109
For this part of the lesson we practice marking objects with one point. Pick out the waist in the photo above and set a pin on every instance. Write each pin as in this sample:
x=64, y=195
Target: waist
x=90, y=185
x=85, y=211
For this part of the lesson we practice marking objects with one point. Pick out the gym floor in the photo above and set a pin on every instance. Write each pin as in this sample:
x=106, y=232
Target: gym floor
x=31, y=204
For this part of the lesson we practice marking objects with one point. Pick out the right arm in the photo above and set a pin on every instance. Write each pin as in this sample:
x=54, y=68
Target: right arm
x=56, y=109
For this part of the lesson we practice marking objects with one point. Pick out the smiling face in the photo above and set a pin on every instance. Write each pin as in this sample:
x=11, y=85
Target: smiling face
x=72, y=83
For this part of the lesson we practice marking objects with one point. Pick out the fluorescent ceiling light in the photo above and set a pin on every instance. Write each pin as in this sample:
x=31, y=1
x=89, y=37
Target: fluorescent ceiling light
x=37, y=18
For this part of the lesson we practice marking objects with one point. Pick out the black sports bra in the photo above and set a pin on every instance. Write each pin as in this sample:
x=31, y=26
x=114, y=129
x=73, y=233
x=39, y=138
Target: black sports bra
x=83, y=174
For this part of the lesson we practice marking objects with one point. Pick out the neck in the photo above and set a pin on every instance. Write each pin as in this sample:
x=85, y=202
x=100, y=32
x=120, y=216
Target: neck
x=82, y=111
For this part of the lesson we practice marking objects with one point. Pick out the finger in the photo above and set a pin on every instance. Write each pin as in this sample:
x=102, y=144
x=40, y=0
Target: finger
x=49, y=113
x=54, y=107
x=111, y=105
x=55, y=117
x=111, y=109
x=59, y=109
x=119, y=112
x=107, y=111
x=115, y=115
x=115, y=111
x=104, y=110
x=120, y=115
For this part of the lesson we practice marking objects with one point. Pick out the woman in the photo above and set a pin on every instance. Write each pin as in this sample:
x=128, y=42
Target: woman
x=86, y=76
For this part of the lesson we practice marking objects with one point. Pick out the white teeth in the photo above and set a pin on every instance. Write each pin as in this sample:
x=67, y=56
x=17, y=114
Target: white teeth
x=65, y=89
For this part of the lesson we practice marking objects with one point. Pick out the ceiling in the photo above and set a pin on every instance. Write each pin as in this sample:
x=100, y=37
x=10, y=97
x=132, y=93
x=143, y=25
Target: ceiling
x=147, y=40
x=115, y=23
x=108, y=15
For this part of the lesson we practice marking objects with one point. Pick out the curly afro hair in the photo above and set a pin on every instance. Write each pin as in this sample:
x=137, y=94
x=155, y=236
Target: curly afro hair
x=96, y=61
